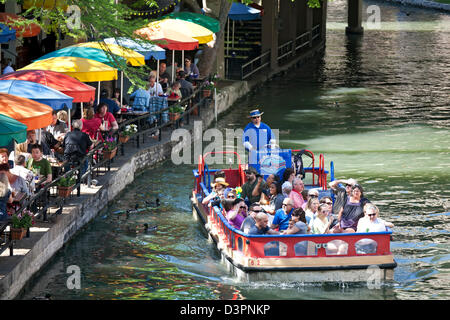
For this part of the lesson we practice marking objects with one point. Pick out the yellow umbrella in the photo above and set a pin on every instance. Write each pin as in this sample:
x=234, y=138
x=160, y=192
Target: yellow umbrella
x=134, y=58
x=85, y=70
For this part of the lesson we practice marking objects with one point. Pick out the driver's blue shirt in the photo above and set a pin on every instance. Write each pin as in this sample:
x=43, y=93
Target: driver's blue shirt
x=257, y=136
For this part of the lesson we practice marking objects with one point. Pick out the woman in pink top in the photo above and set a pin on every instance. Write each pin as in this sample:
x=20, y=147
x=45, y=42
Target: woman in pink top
x=107, y=119
x=91, y=125
x=237, y=215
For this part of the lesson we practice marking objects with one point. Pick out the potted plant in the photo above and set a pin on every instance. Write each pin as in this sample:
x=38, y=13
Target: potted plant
x=209, y=86
x=129, y=130
x=175, y=112
x=109, y=148
x=65, y=186
x=20, y=223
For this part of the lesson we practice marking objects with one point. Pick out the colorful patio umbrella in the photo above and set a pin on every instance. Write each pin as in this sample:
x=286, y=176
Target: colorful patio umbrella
x=133, y=58
x=85, y=70
x=10, y=130
x=205, y=21
x=25, y=31
x=33, y=114
x=146, y=49
x=193, y=30
x=6, y=34
x=84, y=52
x=37, y=92
x=79, y=91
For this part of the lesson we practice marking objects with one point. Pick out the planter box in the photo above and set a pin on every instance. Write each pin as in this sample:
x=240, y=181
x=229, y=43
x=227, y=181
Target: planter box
x=64, y=192
x=124, y=139
x=109, y=154
x=18, y=233
x=173, y=116
x=206, y=93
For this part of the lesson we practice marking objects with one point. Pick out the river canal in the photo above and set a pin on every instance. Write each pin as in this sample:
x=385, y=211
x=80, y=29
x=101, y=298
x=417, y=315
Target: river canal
x=390, y=131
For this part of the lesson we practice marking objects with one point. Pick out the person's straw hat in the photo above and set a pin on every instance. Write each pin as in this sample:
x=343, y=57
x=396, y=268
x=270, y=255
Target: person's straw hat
x=255, y=113
x=219, y=181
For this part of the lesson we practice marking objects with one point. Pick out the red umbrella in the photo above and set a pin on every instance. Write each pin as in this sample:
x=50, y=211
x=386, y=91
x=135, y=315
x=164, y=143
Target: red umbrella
x=27, y=31
x=79, y=91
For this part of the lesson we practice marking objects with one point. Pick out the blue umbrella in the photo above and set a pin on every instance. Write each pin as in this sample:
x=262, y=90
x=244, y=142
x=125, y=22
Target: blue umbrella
x=146, y=49
x=239, y=11
x=6, y=33
x=37, y=92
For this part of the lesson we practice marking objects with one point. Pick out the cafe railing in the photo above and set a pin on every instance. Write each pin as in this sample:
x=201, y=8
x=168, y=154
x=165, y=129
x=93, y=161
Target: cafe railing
x=255, y=65
x=40, y=203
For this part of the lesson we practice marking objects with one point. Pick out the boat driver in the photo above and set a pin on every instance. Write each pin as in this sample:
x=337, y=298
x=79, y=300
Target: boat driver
x=257, y=134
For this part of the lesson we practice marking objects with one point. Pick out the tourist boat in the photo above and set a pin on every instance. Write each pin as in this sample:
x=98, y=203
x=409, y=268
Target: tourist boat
x=305, y=258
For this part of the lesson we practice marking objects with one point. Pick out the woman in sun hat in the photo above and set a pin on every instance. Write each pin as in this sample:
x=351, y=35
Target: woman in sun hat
x=257, y=134
x=219, y=186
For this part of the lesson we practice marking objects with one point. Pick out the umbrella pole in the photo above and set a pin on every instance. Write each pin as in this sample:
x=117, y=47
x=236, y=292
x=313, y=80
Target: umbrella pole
x=121, y=88
x=232, y=41
x=157, y=71
x=81, y=109
x=182, y=59
x=70, y=121
x=98, y=94
x=173, y=63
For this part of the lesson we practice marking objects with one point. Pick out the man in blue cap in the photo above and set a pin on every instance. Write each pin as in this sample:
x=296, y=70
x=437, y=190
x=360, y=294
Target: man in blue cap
x=257, y=134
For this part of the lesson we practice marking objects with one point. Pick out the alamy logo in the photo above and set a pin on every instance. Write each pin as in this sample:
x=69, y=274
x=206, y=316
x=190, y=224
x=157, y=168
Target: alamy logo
x=374, y=17
x=74, y=280
x=74, y=19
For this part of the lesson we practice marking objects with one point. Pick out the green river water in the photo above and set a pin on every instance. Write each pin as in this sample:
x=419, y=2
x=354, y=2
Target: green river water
x=391, y=132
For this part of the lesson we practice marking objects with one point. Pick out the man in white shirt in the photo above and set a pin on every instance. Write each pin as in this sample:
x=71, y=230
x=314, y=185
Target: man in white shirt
x=154, y=88
x=371, y=222
x=20, y=170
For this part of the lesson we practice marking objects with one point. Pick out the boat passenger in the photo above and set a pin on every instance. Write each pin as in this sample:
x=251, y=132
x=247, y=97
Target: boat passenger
x=250, y=221
x=227, y=204
x=261, y=226
x=297, y=223
x=276, y=198
x=340, y=193
x=282, y=216
x=296, y=193
x=252, y=188
x=265, y=194
x=237, y=215
x=219, y=186
x=257, y=134
x=311, y=209
x=219, y=174
x=288, y=175
x=311, y=193
x=286, y=188
x=230, y=194
x=371, y=222
x=322, y=222
x=352, y=211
